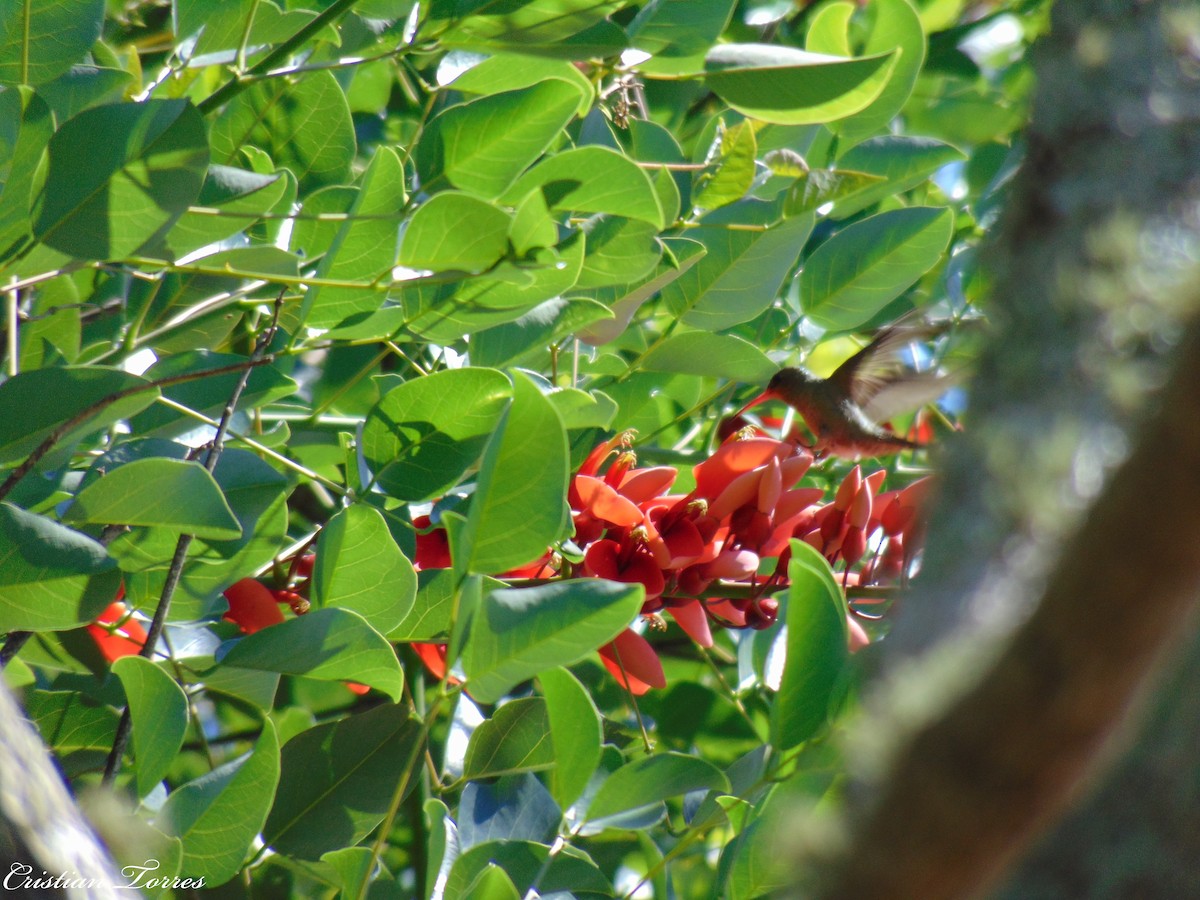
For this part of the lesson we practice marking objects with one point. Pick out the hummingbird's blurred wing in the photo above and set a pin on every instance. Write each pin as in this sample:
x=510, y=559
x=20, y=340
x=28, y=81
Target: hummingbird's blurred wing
x=878, y=364
x=909, y=392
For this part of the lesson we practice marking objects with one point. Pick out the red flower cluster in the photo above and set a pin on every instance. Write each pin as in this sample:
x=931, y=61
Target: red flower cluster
x=700, y=556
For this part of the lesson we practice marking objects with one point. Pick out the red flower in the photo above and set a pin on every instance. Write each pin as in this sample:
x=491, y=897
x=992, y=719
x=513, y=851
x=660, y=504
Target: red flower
x=631, y=660
x=124, y=635
x=626, y=562
x=252, y=606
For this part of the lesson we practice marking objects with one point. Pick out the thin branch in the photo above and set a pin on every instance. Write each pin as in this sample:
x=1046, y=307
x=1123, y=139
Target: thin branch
x=175, y=572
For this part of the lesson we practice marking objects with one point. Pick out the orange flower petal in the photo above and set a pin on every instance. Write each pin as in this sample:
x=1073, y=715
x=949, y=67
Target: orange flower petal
x=602, y=501
x=633, y=663
x=252, y=606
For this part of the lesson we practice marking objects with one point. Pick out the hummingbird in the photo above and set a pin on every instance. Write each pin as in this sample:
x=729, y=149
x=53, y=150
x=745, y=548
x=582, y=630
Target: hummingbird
x=843, y=410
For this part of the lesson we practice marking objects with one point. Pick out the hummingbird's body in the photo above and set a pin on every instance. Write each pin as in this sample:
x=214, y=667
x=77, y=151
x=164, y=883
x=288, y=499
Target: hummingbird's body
x=843, y=410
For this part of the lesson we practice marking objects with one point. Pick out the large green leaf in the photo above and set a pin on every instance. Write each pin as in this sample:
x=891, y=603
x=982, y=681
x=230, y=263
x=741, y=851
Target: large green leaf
x=338, y=779
x=652, y=780
x=515, y=739
x=817, y=649
x=619, y=250
x=326, y=644
x=592, y=180
x=704, y=353
x=520, y=632
x=359, y=567
x=893, y=25
x=41, y=39
x=120, y=175
x=218, y=815
x=540, y=328
x=792, y=87
x=865, y=266
x=520, y=503
x=424, y=434
x=33, y=404
x=732, y=172
x=455, y=231
x=483, y=145
x=570, y=872
x=304, y=125
x=159, y=710
x=576, y=734
x=167, y=493
x=25, y=129
x=50, y=576
x=902, y=161
x=738, y=277
x=509, y=72
x=363, y=249
x=69, y=720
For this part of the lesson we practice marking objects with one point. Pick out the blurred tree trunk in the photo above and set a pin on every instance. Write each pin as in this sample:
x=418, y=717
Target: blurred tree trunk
x=1055, y=582
x=42, y=834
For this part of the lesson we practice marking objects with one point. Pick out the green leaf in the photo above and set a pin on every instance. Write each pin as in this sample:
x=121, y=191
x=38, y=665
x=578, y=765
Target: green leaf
x=592, y=180
x=868, y=264
x=526, y=863
x=338, y=779
x=894, y=25
x=817, y=187
x=455, y=231
x=520, y=632
x=26, y=125
x=359, y=567
x=544, y=325
x=519, y=23
x=786, y=86
x=120, y=176
x=482, y=146
x=678, y=33
x=234, y=199
x=218, y=815
x=618, y=250
x=363, y=249
x=704, y=353
x=33, y=404
x=432, y=610
x=493, y=884
x=81, y=87
x=817, y=649
x=159, y=710
x=520, y=503
x=326, y=644
x=424, y=434
x=508, y=72
x=902, y=161
x=41, y=39
x=652, y=780
x=304, y=124
x=740, y=275
x=69, y=720
x=576, y=733
x=51, y=577
x=625, y=300
x=515, y=739
x=732, y=172
x=168, y=493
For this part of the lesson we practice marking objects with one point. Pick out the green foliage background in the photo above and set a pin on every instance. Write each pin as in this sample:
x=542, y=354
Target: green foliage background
x=619, y=216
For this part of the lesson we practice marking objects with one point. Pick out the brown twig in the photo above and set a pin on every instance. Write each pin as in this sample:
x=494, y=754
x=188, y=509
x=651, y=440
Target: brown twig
x=175, y=572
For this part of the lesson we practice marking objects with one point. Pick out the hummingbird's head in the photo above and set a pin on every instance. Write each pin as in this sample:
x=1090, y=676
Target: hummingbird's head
x=784, y=384
x=790, y=381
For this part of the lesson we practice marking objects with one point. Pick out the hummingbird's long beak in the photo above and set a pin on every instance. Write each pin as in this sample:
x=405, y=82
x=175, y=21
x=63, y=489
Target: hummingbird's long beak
x=768, y=394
